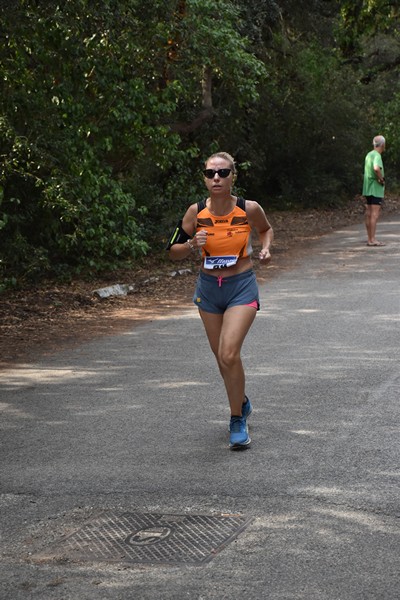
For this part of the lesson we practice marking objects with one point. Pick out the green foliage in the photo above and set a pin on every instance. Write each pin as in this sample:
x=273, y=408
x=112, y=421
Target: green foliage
x=90, y=92
x=369, y=38
x=389, y=115
x=303, y=139
x=361, y=19
x=69, y=100
x=321, y=161
x=108, y=110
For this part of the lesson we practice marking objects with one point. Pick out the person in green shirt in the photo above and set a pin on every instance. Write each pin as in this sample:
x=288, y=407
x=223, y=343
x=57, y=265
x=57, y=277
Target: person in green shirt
x=374, y=188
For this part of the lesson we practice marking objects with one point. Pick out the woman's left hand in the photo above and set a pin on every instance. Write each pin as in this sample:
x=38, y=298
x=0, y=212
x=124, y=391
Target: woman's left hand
x=265, y=256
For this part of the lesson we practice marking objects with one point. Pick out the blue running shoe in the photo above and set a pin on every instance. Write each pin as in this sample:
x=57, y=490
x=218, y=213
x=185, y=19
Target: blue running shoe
x=239, y=433
x=247, y=408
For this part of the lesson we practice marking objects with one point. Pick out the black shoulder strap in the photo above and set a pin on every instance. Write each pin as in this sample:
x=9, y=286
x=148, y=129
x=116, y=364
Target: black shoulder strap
x=201, y=205
x=241, y=203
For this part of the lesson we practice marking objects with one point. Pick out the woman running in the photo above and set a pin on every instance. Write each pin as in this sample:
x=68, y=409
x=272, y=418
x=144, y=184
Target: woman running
x=227, y=292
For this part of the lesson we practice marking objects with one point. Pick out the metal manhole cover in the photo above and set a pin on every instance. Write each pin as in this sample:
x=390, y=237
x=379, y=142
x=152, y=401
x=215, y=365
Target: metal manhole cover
x=149, y=538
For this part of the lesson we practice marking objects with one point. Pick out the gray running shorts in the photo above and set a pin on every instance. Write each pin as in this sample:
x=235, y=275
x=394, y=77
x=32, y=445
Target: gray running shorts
x=217, y=294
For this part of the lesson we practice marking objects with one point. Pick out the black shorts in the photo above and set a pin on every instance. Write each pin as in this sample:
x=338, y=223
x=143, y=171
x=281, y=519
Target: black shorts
x=374, y=200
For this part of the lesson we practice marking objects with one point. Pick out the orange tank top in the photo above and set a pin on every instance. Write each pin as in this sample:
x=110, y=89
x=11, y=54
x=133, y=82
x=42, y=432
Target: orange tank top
x=228, y=236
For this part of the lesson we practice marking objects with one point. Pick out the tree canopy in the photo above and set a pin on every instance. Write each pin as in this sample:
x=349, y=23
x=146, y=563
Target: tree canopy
x=108, y=110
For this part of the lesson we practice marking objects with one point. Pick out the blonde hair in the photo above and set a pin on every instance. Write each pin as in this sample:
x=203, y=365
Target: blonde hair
x=226, y=157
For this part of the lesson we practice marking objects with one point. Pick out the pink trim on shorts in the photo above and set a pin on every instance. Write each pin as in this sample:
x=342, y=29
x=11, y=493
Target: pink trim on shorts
x=253, y=304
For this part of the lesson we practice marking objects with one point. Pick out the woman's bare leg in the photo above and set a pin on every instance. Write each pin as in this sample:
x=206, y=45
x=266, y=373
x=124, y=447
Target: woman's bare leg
x=226, y=334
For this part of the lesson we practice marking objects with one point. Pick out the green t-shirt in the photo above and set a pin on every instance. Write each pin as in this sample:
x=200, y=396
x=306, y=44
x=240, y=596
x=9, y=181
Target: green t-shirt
x=371, y=186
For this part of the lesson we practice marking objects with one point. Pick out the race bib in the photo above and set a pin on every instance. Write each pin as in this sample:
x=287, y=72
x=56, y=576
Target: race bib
x=219, y=262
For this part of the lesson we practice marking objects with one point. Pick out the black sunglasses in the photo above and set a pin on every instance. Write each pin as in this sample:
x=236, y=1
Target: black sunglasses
x=210, y=173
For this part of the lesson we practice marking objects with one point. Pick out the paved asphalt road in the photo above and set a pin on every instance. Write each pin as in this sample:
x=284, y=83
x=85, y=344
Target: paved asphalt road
x=136, y=424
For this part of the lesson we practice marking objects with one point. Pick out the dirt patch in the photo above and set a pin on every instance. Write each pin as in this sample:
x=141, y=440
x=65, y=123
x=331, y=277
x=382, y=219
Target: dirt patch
x=43, y=319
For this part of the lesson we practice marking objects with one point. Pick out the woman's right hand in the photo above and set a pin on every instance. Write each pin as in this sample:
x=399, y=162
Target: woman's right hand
x=200, y=238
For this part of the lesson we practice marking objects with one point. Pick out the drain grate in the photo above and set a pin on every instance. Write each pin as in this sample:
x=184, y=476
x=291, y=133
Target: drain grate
x=150, y=538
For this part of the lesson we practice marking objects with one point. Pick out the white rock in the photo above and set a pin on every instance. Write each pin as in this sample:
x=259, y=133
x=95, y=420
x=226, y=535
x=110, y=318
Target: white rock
x=119, y=289
x=180, y=272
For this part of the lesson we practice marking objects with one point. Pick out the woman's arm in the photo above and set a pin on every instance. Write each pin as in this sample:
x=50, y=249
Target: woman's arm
x=258, y=221
x=181, y=251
